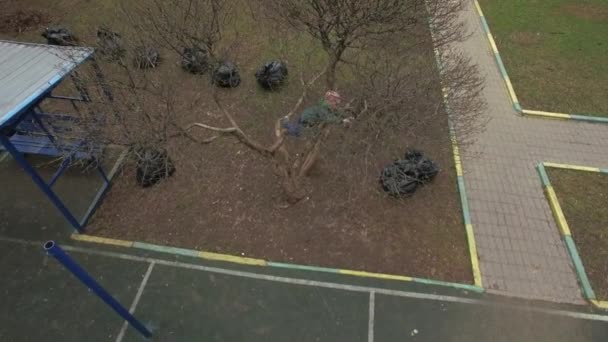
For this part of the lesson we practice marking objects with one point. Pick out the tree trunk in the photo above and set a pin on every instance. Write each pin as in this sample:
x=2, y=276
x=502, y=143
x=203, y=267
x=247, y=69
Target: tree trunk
x=331, y=73
x=291, y=188
x=290, y=181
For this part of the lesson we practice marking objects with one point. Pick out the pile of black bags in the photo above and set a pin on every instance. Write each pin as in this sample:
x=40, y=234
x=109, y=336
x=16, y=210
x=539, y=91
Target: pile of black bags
x=403, y=176
x=272, y=75
x=195, y=60
x=226, y=75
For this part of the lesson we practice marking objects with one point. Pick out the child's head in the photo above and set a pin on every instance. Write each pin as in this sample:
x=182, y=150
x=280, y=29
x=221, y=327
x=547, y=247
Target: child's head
x=333, y=99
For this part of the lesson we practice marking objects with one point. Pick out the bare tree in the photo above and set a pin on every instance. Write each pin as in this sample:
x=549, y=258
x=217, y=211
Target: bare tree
x=181, y=23
x=391, y=81
x=342, y=25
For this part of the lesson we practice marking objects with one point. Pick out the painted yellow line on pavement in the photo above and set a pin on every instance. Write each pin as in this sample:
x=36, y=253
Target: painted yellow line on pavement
x=573, y=167
x=232, y=258
x=557, y=211
x=105, y=241
x=375, y=275
x=546, y=114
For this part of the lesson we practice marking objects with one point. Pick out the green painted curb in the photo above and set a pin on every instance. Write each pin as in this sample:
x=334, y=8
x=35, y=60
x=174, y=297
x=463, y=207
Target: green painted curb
x=166, y=249
x=543, y=175
x=517, y=107
x=501, y=66
x=459, y=286
x=464, y=201
x=589, y=118
x=484, y=24
x=580, y=269
x=302, y=267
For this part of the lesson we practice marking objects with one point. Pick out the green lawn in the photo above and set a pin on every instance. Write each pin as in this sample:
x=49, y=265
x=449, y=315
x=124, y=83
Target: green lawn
x=583, y=197
x=556, y=52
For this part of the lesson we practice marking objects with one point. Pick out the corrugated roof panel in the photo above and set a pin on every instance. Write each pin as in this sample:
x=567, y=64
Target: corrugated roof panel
x=28, y=70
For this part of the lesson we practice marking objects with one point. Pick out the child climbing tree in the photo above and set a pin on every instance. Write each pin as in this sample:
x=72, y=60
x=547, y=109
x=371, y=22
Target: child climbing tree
x=148, y=114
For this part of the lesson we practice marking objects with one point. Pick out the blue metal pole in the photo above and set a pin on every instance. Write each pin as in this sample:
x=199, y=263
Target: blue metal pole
x=53, y=249
x=40, y=182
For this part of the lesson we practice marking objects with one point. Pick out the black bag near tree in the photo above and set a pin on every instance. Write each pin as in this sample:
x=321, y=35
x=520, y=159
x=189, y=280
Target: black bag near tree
x=426, y=168
x=153, y=166
x=195, y=60
x=146, y=57
x=226, y=75
x=59, y=36
x=399, y=179
x=402, y=177
x=272, y=75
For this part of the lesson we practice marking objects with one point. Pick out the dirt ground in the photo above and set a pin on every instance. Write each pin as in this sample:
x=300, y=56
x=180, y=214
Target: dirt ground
x=226, y=198
x=584, y=198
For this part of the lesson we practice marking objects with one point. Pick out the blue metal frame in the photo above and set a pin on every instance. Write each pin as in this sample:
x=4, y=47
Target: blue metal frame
x=29, y=111
x=53, y=249
x=40, y=183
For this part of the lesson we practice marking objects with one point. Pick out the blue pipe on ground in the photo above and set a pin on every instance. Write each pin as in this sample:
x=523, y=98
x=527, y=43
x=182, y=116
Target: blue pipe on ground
x=53, y=249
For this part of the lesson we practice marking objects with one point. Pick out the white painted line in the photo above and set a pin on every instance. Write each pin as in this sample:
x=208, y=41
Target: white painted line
x=3, y=156
x=140, y=291
x=372, y=312
x=328, y=285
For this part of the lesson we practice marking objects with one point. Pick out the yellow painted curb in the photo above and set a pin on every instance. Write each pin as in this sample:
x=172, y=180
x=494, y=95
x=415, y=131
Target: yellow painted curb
x=457, y=160
x=492, y=43
x=560, y=116
x=474, y=256
x=479, y=11
x=573, y=167
x=101, y=240
x=557, y=211
x=458, y=170
x=511, y=90
x=600, y=304
x=375, y=275
x=232, y=258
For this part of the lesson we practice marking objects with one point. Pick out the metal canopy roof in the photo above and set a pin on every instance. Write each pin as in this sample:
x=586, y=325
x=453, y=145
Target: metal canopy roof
x=28, y=71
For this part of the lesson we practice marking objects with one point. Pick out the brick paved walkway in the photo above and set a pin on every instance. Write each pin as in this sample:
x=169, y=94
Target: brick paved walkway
x=520, y=250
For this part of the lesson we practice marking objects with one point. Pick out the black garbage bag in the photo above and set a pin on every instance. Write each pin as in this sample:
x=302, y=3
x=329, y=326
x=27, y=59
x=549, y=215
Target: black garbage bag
x=152, y=167
x=110, y=43
x=59, y=36
x=272, y=75
x=414, y=155
x=226, y=75
x=399, y=179
x=195, y=60
x=426, y=168
x=146, y=57
x=402, y=177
